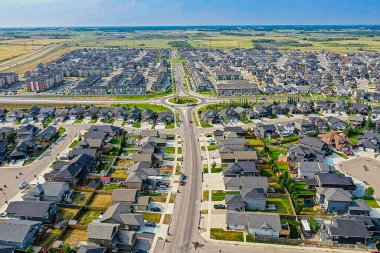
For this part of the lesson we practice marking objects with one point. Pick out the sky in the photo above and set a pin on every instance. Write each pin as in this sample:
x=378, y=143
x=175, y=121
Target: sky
x=52, y=13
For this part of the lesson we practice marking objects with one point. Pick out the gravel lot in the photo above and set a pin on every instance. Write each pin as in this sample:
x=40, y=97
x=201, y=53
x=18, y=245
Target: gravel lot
x=355, y=167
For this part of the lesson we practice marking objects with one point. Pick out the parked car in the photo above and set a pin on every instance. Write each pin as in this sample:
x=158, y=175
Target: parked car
x=162, y=187
x=3, y=214
x=219, y=206
x=155, y=209
x=23, y=185
x=181, y=183
x=150, y=224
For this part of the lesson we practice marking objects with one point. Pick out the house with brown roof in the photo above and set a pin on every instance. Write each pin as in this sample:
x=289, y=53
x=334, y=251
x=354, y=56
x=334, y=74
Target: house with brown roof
x=337, y=140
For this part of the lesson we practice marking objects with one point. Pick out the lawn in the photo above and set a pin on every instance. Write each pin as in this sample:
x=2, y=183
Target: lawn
x=78, y=121
x=172, y=198
x=101, y=200
x=219, y=195
x=118, y=173
x=212, y=147
x=169, y=150
x=74, y=144
x=110, y=187
x=93, y=121
x=79, y=198
x=205, y=170
x=299, y=185
x=341, y=155
x=283, y=205
x=73, y=237
x=167, y=219
x=137, y=124
x=179, y=150
x=156, y=197
x=268, y=173
x=151, y=217
x=122, y=163
x=205, y=124
x=274, y=153
x=170, y=125
x=371, y=202
x=88, y=217
x=183, y=100
x=216, y=170
x=67, y=214
x=221, y=234
x=254, y=142
x=115, y=141
x=205, y=195
x=283, y=167
x=50, y=238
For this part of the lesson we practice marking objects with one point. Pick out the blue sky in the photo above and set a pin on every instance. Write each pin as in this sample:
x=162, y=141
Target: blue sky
x=32, y=13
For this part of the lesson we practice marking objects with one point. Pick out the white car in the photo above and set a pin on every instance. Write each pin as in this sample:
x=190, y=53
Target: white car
x=23, y=185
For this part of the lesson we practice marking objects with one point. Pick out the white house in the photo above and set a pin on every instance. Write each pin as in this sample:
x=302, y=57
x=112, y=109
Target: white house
x=264, y=224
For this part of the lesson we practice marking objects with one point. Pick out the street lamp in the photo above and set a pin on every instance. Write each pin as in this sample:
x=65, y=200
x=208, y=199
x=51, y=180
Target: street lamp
x=6, y=197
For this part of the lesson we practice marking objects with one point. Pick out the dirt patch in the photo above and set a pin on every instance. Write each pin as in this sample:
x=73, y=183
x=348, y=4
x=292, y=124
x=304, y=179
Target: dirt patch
x=364, y=169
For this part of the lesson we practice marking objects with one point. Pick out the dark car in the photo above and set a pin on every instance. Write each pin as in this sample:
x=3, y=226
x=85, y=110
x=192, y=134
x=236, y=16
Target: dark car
x=219, y=206
x=155, y=209
x=181, y=183
x=150, y=224
x=182, y=176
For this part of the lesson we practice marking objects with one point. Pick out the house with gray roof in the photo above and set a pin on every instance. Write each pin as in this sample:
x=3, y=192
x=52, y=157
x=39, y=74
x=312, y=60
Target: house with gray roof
x=49, y=191
x=18, y=233
x=334, y=199
x=42, y=211
x=264, y=224
x=310, y=169
x=241, y=168
x=349, y=231
x=121, y=214
x=91, y=249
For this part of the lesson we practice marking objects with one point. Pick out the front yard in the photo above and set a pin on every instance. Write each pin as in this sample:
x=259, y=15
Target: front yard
x=221, y=234
x=151, y=217
x=219, y=195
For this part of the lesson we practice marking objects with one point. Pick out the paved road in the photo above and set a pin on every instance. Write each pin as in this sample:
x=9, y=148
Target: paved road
x=23, y=59
x=28, y=172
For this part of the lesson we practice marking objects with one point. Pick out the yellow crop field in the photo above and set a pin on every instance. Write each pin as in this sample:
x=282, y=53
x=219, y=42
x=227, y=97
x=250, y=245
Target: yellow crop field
x=10, y=51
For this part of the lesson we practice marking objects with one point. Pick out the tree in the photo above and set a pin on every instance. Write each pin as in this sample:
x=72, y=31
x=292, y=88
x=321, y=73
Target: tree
x=313, y=225
x=369, y=192
x=29, y=249
x=213, y=165
x=368, y=123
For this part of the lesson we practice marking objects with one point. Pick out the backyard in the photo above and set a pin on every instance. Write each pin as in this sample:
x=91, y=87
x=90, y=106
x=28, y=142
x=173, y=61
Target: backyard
x=101, y=200
x=88, y=217
x=282, y=205
x=73, y=237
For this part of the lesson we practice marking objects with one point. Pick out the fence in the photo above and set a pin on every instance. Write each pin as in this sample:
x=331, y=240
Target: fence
x=278, y=240
x=83, y=189
x=103, y=192
x=81, y=227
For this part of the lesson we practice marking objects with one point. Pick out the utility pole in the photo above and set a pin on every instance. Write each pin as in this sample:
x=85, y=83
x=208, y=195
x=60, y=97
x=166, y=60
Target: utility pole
x=6, y=197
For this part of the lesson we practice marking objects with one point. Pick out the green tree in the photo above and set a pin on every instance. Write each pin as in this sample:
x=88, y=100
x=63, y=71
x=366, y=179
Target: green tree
x=369, y=192
x=313, y=225
x=213, y=165
x=368, y=123
x=29, y=249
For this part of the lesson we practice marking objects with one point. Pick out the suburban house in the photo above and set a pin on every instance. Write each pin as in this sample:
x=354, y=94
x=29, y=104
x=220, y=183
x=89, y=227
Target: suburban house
x=73, y=171
x=108, y=235
x=264, y=224
x=334, y=199
x=241, y=168
x=49, y=191
x=121, y=214
x=349, y=230
x=310, y=169
x=18, y=233
x=331, y=180
x=339, y=141
x=315, y=144
x=42, y=211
